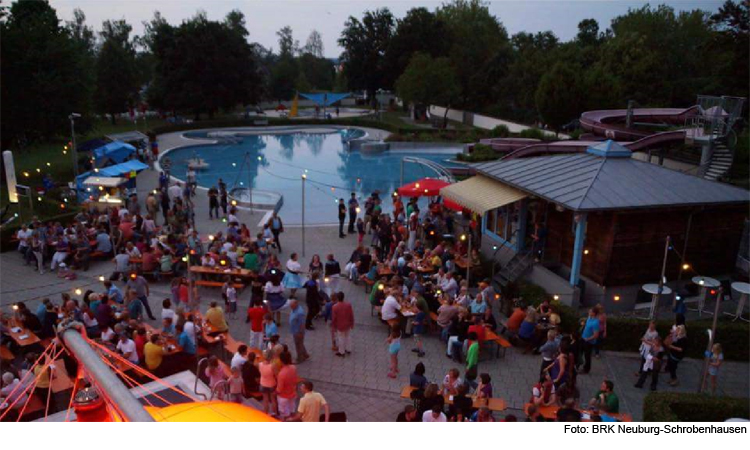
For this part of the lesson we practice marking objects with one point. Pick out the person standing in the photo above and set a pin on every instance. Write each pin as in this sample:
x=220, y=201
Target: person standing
x=213, y=202
x=152, y=205
x=342, y=321
x=297, y=328
x=332, y=273
x=312, y=299
x=342, y=217
x=277, y=227
x=676, y=344
x=223, y=196
x=255, y=316
x=310, y=405
x=590, y=335
x=353, y=206
x=164, y=196
x=286, y=386
x=140, y=286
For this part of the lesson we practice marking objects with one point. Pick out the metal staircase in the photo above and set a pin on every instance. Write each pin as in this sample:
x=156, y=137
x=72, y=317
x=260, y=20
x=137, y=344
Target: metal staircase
x=516, y=267
x=721, y=161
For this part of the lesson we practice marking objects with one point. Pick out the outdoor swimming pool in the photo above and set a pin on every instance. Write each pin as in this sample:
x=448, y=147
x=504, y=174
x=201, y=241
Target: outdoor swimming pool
x=276, y=162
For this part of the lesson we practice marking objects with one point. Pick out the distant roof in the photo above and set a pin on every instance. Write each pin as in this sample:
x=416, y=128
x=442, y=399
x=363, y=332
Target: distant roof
x=128, y=136
x=587, y=182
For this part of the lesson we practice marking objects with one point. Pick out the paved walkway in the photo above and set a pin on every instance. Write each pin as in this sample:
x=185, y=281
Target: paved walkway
x=358, y=384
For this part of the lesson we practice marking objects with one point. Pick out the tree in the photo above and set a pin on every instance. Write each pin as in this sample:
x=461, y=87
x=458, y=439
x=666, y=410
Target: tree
x=202, y=65
x=427, y=81
x=365, y=44
x=558, y=96
x=44, y=74
x=732, y=23
x=420, y=31
x=288, y=47
x=477, y=39
x=284, y=76
x=314, y=44
x=588, y=32
x=117, y=74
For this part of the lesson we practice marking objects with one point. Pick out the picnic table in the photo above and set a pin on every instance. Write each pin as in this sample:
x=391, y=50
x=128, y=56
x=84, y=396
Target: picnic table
x=550, y=413
x=234, y=272
x=493, y=404
x=22, y=336
x=171, y=341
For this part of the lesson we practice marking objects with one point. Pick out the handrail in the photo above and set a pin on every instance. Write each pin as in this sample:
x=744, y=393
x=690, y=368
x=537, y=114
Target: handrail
x=197, y=376
x=223, y=384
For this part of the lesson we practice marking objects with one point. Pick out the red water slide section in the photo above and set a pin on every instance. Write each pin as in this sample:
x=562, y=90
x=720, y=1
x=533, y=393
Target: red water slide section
x=606, y=123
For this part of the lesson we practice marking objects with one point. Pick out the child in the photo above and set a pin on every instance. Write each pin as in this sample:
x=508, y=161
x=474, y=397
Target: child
x=715, y=358
x=269, y=327
x=418, y=330
x=215, y=374
x=360, y=231
x=394, y=346
x=231, y=301
x=236, y=386
x=484, y=390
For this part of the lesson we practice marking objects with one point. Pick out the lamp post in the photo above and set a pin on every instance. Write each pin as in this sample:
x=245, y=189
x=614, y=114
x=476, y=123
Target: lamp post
x=304, y=178
x=655, y=300
x=73, y=117
x=711, y=337
x=468, y=258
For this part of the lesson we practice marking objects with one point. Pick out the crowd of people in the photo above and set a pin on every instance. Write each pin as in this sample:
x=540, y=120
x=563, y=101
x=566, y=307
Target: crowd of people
x=412, y=265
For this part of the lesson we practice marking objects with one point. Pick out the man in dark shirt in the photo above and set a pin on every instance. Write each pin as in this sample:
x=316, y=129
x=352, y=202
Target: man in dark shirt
x=250, y=375
x=342, y=217
x=569, y=413
x=353, y=206
x=463, y=406
x=103, y=313
x=409, y=414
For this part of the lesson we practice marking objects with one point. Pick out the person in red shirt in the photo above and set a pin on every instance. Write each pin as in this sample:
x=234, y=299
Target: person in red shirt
x=479, y=329
x=342, y=322
x=140, y=340
x=150, y=261
x=286, y=386
x=255, y=314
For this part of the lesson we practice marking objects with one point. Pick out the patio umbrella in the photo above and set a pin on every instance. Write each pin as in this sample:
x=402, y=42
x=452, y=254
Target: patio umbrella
x=427, y=187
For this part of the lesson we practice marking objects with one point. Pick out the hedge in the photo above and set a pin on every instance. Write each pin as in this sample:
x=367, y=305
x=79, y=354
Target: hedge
x=690, y=407
x=624, y=334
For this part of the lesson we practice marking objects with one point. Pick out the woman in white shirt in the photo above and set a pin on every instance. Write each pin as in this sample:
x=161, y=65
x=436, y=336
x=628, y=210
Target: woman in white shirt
x=292, y=279
x=167, y=312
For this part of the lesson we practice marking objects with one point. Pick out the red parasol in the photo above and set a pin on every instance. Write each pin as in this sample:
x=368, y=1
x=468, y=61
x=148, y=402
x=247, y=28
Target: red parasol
x=426, y=187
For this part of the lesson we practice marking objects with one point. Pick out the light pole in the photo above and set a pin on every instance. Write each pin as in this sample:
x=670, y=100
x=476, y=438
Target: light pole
x=468, y=259
x=711, y=336
x=655, y=301
x=304, y=178
x=73, y=117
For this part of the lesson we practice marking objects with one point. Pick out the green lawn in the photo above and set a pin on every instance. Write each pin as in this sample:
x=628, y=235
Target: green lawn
x=48, y=157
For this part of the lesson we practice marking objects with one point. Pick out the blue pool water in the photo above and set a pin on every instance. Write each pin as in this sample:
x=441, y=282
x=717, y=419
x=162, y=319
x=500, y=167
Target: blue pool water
x=276, y=162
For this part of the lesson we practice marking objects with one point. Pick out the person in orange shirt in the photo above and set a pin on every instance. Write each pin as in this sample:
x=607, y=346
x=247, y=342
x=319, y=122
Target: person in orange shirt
x=515, y=320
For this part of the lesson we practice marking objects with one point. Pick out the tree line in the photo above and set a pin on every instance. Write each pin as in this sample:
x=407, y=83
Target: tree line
x=461, y=55
x=458, y=55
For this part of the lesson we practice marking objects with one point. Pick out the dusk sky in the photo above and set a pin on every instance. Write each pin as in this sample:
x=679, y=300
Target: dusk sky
x=265, y=17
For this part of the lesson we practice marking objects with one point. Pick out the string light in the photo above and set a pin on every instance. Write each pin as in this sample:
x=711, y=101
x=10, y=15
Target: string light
x=685, y=266
x=210, y=237
x=62, y=205
x=49, y=165
x=38, y=170
x=358, y=210
x=78, y=291
x=555, y=297
x=26, y=174
x=234, y=202
x=101, y=277
x=586, y=252
x=39, y=199
x=617, y=298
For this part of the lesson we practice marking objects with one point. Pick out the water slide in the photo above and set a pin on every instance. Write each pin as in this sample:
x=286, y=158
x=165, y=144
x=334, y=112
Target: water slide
x=607, y=124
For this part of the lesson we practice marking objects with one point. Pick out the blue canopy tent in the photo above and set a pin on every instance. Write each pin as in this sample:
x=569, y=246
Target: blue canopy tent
x=126, y=170
x=325, y=99
x=116, y=151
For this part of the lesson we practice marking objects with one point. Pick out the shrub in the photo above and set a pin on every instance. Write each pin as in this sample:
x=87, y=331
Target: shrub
x=532, y=133
x=689, y=407
x=480, y=153
x=500, y=131
x=624, y=334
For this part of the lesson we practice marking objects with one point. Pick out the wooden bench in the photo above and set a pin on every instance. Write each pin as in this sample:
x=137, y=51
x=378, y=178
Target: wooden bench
x=493, y=404
x=6, y=354
x=550, y=413
x=499, y=341
x=207, y=283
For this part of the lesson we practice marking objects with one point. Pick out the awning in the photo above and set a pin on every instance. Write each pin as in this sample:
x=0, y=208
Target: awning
x=108, y=182
x=126, y=169
x=116, y=151
x=481, y=194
